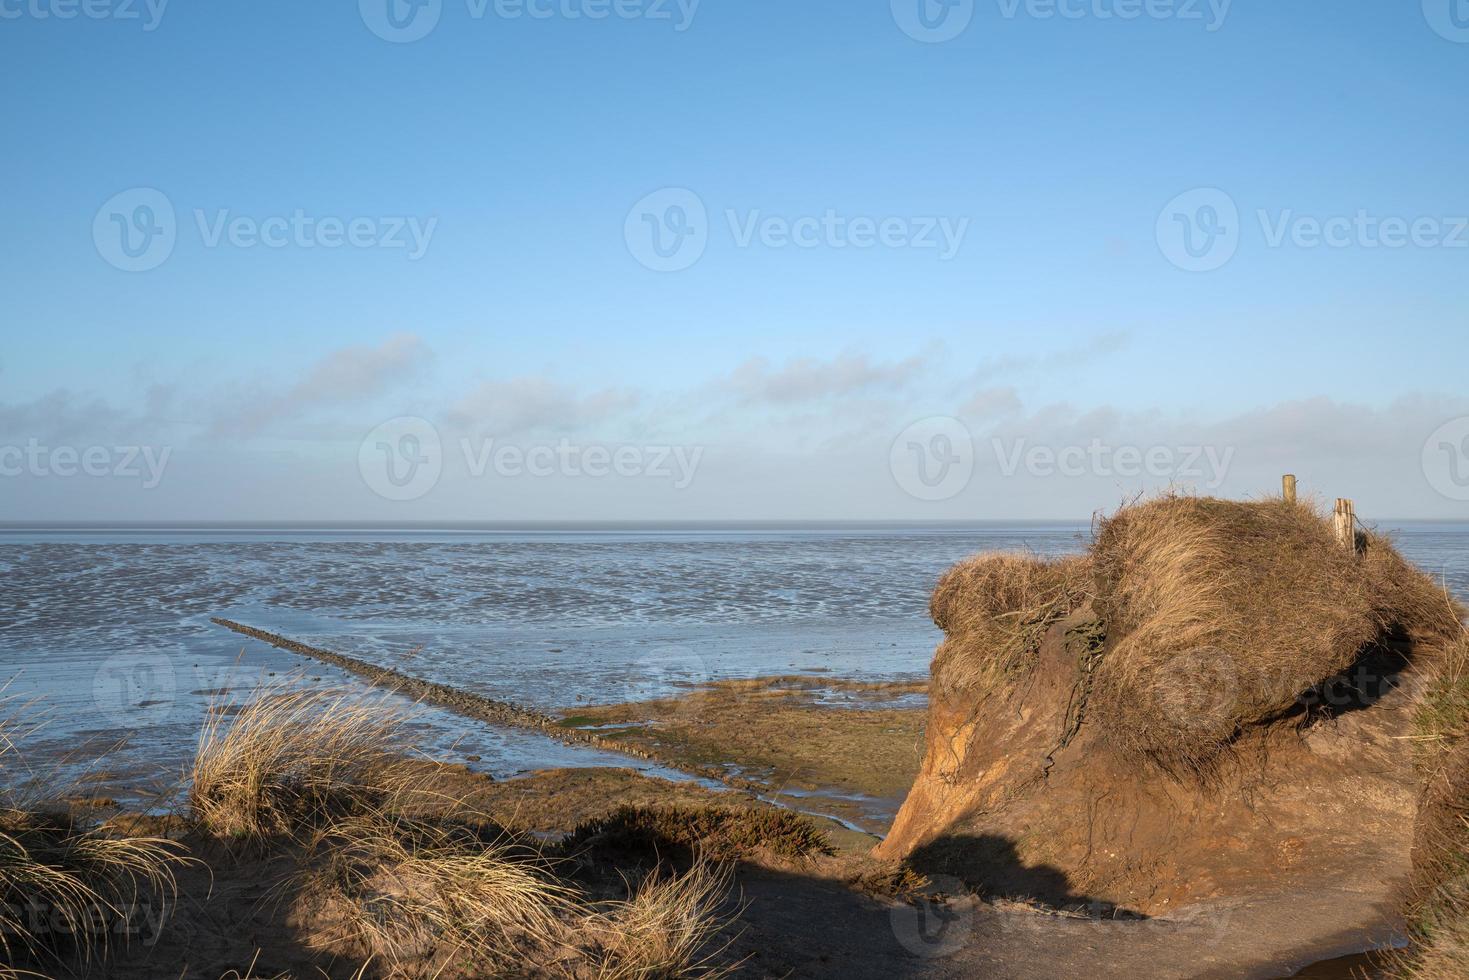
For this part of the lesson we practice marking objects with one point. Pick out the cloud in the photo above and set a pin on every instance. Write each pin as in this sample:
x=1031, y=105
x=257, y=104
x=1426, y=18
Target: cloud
x=989, y=403
x=1092, y=350
x=536, y=403
x=809, y=379
x=62, y=415
x=343, y=377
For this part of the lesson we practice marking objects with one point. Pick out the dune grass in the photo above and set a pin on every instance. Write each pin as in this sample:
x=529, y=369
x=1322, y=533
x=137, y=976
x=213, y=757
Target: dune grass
x=667, y=928
x=395, y=871
x=448, y=898
x=410, y=892
x=1437, y=897
x=293, y=758
x=70, y=888
x=995, y=610
x=1217, y=615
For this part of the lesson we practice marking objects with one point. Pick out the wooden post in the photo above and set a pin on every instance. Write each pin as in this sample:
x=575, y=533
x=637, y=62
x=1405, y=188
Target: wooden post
x=1288, y=488
x=1345, y=520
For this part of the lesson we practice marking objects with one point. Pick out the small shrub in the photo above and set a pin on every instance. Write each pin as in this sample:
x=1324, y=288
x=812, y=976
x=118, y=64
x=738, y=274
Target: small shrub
x=717, y=833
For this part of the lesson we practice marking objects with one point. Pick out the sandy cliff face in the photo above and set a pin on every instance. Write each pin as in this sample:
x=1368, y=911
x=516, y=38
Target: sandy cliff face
x=1276, y=752
x=1004, y=805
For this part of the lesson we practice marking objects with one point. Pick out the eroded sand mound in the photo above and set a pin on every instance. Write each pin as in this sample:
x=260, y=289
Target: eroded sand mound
x=1217, y=700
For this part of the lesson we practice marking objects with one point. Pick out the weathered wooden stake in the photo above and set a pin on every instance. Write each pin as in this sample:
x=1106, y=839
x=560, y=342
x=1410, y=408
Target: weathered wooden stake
x=1345, y=519
x=1288, y=488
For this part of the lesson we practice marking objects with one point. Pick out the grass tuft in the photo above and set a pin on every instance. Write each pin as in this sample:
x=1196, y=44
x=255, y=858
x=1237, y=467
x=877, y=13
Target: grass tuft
x=691, y=832
x=70, y=887
x=294, y=758
x=995, y=610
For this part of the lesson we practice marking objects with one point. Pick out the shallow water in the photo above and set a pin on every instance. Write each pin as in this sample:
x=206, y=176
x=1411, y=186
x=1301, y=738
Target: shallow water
x=1359, y=966
x=110, y=629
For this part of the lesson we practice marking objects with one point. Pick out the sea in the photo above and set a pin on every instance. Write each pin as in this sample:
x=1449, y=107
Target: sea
x=110, y=661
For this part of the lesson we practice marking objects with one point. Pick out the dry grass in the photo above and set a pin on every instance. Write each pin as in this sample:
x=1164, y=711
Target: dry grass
x=1220, y=615
x=1442, y=717
x=293, y=758
x=665, y=929
x=415, y=895
x=399, y=873
x=1437, y=899
x=1437, y=902
x=70, y=888
x=432, y=899
x=692, y=832
x=995, y=609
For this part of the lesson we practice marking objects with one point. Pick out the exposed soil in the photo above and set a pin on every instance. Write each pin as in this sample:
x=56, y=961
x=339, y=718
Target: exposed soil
x=1007, y=804
x=782, y=734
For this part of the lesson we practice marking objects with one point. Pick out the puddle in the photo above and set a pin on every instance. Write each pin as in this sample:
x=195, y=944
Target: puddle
x=1358, y=966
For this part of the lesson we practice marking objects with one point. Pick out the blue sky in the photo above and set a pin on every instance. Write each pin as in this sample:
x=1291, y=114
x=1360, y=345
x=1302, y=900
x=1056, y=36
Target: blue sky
x=521, y=144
